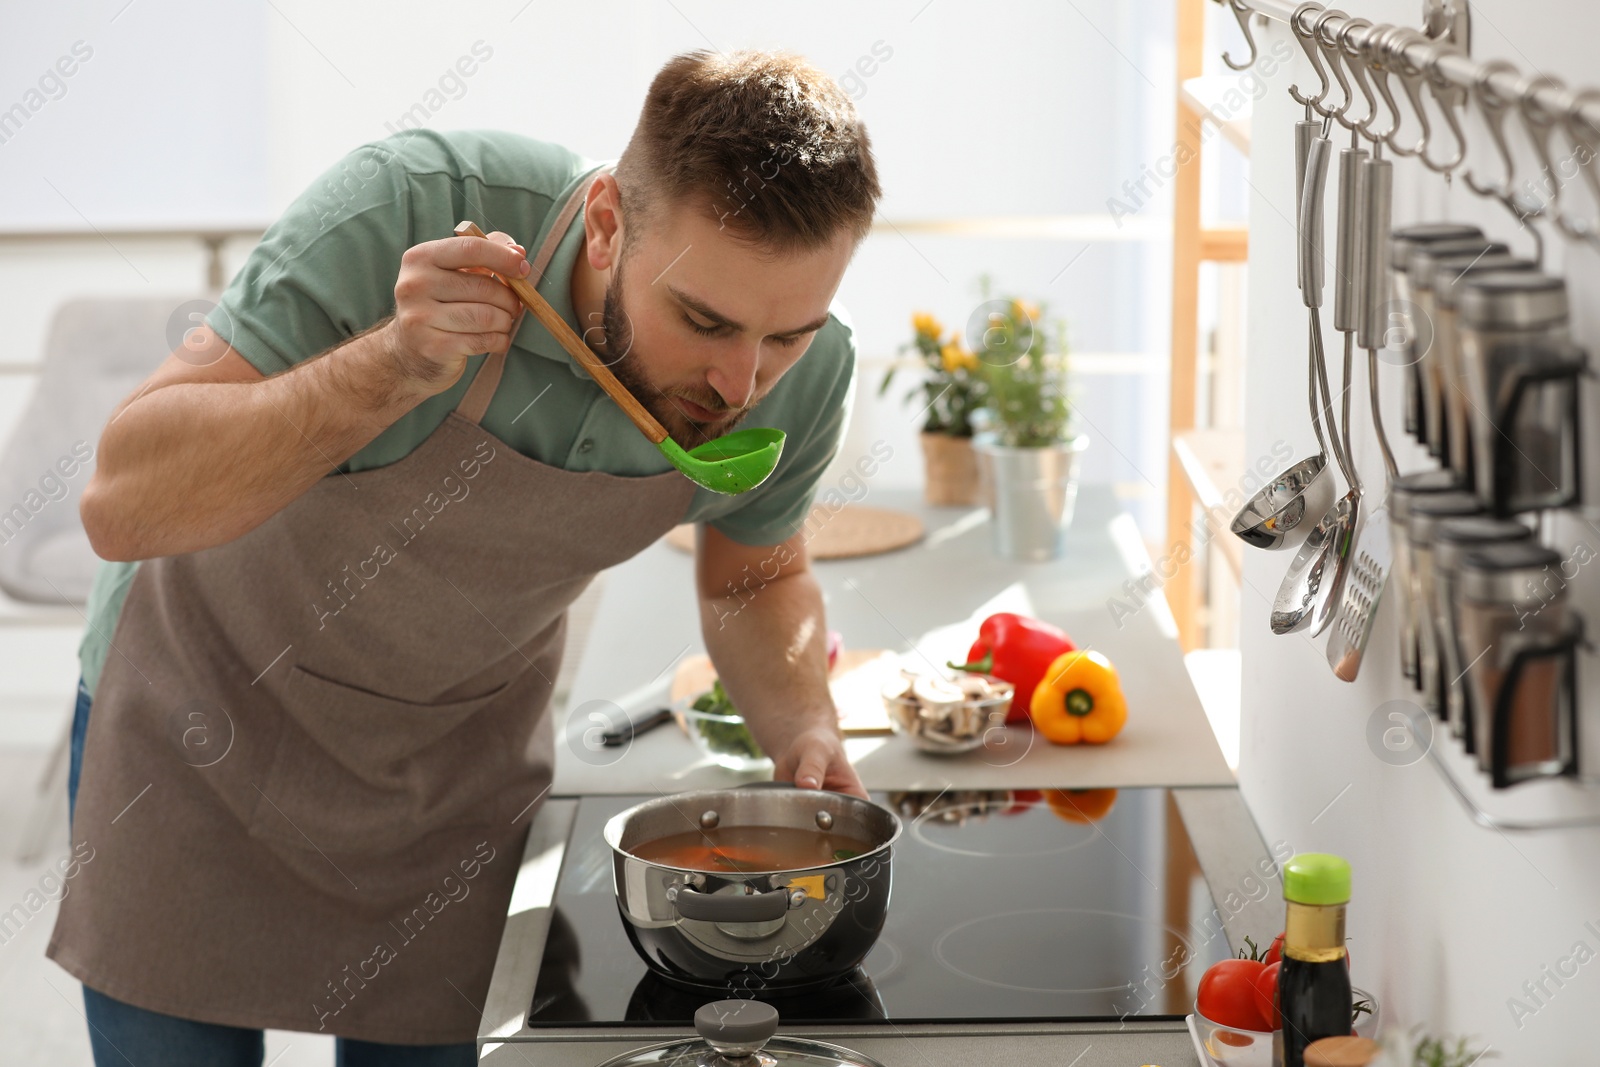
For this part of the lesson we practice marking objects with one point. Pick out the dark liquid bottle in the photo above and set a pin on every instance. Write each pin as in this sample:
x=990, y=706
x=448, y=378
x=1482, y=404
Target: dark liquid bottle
x=1314, y=979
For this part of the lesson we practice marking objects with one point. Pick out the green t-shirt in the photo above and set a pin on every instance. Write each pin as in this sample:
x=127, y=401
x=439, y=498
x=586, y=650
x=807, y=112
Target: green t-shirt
x=326, y=271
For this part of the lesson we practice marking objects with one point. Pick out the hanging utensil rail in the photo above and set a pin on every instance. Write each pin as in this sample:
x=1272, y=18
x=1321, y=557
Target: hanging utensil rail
x=1335, y=43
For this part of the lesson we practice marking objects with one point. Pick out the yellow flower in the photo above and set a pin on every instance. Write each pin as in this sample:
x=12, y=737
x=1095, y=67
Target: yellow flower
x=953, y=358
x=926, y=325
x=1022, y=309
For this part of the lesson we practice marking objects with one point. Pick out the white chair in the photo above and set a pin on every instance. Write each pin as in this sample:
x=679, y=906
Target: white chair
x=97, y=351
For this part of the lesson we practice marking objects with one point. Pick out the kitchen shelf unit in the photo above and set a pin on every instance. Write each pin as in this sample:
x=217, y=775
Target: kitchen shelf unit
x=1198, y=453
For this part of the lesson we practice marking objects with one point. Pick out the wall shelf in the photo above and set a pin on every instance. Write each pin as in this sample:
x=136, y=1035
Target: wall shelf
x=1209, y=460
x=1205, y=95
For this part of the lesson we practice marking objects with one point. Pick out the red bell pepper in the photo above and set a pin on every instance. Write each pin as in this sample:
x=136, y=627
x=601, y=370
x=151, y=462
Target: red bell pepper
x=1018, y=650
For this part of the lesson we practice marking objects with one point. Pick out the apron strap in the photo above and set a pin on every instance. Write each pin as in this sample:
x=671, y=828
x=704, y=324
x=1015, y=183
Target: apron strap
x=476, y=400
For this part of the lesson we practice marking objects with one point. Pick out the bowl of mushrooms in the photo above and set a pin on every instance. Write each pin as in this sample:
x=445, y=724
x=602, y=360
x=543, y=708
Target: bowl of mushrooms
x=947, y=715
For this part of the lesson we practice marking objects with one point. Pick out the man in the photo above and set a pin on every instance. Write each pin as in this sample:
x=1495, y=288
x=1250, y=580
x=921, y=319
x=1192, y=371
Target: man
x=364, y=498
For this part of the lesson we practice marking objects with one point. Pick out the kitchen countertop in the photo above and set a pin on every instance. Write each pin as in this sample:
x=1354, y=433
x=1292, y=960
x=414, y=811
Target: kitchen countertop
x=888, y=601
x=648, y=607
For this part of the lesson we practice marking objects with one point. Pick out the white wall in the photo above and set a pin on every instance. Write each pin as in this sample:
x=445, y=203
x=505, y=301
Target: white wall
x=1449, y=919
x=1012, y=108
x=189, y=113
x=158, y=122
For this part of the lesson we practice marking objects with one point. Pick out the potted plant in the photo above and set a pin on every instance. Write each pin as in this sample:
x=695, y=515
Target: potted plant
x=951, y=393
x=1027, y=453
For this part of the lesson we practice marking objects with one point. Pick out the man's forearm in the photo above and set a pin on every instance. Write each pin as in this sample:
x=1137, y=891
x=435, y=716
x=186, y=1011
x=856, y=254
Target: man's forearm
x=193, y=464
x=771, y=653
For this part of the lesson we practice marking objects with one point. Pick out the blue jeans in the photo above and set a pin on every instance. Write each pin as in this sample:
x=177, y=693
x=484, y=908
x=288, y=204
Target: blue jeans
x=122, y=1035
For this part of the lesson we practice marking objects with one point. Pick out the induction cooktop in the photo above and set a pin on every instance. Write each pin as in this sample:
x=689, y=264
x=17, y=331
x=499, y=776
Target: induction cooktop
x=1006, y=906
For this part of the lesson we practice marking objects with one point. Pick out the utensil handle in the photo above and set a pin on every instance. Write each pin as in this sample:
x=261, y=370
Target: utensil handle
x=1311, y=221
x=1377, y=186
x=1305, y=132
x=1375, y=259
x=727, y=908
x=1349, y=233
x=552, y=321
x=631, y=727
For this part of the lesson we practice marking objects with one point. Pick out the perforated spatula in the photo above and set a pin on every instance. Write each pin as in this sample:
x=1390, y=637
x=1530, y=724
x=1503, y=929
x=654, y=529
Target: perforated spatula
x=1358, y=608
x=733, y=463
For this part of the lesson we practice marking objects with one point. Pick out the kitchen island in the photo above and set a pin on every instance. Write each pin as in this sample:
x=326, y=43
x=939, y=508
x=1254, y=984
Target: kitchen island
x=1200, y=833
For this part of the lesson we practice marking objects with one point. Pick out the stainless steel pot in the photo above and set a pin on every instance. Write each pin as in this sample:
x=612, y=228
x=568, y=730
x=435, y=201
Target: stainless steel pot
x=778, y=931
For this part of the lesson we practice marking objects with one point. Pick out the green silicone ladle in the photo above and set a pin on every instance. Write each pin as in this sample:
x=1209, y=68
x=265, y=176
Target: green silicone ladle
x=733, y=463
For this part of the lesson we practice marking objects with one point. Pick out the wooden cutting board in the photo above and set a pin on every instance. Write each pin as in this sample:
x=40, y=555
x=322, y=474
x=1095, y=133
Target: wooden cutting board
x=856, y=681
x=843, y=533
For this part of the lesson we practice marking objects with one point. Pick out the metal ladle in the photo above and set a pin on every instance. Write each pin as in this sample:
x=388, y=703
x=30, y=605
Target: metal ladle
x=1287, y=504
x=1310, y=590
x=733, y=463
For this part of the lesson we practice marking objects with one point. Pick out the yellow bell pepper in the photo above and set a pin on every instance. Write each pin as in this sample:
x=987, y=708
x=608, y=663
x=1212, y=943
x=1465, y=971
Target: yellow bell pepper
x=1079, y=699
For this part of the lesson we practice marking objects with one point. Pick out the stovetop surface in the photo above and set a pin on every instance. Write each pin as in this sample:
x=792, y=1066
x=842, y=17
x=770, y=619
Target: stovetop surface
x=1002, y=910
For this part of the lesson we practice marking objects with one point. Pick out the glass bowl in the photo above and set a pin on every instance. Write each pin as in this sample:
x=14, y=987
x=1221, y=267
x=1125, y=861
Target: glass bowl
x=723, y=739
x=948, y=725
x=1228, y=1046
x=1366, y=1024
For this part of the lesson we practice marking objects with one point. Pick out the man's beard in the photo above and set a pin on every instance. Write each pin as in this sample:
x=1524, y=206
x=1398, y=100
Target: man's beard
x=627, y=364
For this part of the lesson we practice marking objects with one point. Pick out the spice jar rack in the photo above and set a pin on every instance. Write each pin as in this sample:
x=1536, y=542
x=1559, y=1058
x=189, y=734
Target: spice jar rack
x=1496, y=653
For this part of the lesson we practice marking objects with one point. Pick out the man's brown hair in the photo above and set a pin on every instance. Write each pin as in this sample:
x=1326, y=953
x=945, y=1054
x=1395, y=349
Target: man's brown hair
x=762, y=141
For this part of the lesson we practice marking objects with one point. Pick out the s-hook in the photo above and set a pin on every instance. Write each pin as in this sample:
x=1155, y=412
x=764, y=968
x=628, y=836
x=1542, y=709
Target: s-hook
x=1302, y=36
x=1241, y=13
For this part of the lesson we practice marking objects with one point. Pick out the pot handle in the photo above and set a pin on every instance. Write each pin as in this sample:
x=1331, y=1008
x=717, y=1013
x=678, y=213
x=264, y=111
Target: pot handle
x=728, y=908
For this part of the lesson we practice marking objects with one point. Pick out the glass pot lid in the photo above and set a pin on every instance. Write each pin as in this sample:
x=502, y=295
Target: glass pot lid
x=740, y=1033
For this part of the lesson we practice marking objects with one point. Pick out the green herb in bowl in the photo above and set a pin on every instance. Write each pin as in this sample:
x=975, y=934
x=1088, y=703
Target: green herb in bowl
x=720, y=730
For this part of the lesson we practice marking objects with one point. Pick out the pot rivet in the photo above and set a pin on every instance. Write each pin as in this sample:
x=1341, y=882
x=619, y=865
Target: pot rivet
x=824, y=820
x=709, y=820
x=797, y=898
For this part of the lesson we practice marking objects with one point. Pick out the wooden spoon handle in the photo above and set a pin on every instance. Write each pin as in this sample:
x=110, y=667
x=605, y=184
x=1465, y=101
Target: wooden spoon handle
x=574, y=345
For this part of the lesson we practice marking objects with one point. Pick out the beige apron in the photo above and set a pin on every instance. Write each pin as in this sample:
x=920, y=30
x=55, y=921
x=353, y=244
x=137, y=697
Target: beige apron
x=314, y=751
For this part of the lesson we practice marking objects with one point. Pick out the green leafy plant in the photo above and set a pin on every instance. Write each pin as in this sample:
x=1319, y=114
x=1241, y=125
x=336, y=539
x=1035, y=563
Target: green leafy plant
x=1433, y=1051
x=1026, y=375
x=952, y=388
x=729, y=736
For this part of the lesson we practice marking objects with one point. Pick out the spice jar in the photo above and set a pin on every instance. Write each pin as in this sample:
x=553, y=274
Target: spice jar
x=1519, y=640
x=1522, y=380
x=1446, y=283
x=1402, y=242
x=1424, y=310
x=1402, y=492
x=1426, y=514
x=1452, y=540
x=1534, y=429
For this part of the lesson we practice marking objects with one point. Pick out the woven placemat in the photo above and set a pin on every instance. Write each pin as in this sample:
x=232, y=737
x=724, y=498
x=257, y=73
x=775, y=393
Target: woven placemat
x=853, y=530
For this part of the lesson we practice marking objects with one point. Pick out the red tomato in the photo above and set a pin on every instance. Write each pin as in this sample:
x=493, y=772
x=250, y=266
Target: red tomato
x=1022, y=800
x=1267, y=995
x=1228, y=995
x=1275, y=952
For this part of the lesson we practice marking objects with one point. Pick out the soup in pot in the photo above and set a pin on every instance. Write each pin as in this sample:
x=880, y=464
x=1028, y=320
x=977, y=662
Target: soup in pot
x=750, y=849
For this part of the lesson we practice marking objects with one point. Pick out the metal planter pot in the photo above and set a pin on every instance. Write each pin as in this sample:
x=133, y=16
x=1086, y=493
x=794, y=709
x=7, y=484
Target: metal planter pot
x=1030, y=493
x=778, y=931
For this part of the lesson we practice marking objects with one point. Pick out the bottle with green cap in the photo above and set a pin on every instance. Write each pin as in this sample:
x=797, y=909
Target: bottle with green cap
x=1314, y=979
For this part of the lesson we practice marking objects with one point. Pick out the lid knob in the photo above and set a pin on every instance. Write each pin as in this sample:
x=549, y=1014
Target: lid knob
x=736, y=1028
